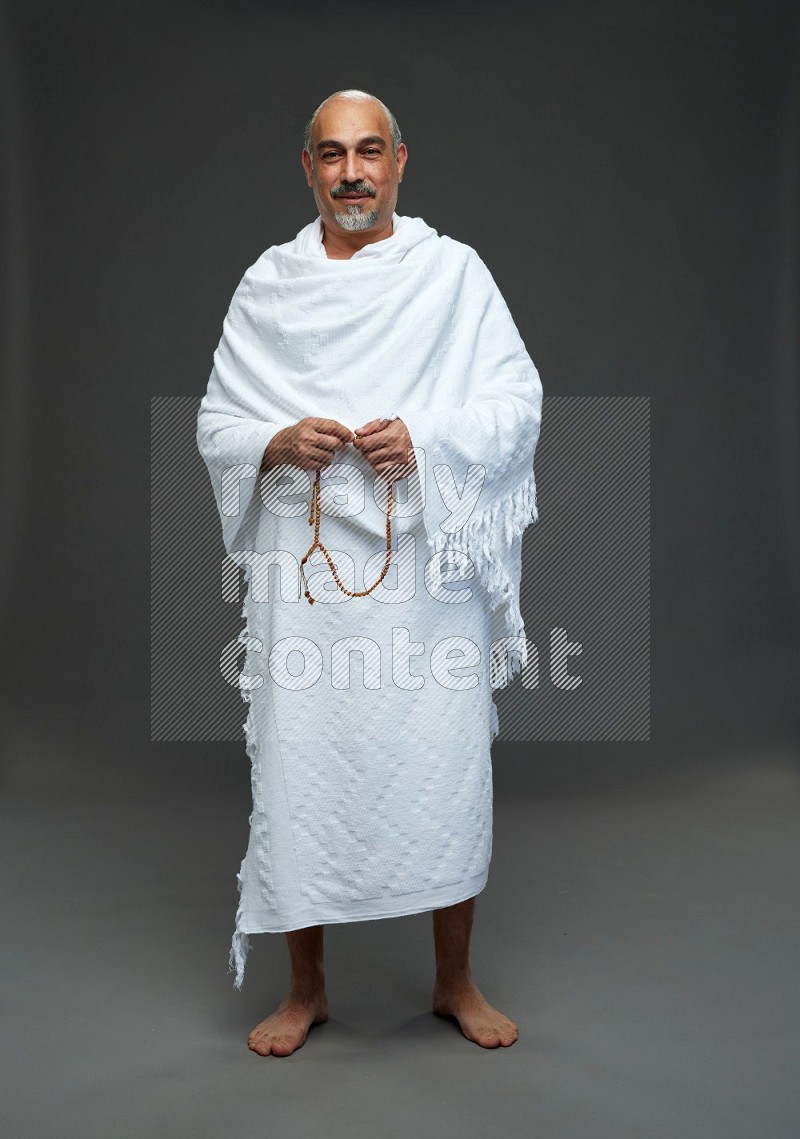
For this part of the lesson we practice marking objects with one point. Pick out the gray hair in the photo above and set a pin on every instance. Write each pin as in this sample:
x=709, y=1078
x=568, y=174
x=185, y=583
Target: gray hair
x=352, y=92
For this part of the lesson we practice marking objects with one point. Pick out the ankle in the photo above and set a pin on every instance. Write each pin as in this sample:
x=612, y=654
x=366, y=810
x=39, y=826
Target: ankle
x=307, y=986
x=453, y=979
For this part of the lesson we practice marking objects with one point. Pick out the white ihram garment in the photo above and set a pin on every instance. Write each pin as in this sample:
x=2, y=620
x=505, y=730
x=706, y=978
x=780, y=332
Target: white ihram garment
x=370, y=757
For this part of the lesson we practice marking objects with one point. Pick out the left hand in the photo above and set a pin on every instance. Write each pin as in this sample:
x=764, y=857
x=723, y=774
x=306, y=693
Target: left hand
x=387, y=446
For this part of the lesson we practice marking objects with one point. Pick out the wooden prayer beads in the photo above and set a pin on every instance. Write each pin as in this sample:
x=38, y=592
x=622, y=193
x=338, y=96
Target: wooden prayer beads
x=314, y=519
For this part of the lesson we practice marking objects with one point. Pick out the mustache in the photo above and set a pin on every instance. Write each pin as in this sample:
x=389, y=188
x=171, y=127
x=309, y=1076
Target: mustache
x=356, y=188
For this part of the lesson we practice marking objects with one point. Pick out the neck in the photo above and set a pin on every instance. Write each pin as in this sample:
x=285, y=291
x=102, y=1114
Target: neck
x=341, y=245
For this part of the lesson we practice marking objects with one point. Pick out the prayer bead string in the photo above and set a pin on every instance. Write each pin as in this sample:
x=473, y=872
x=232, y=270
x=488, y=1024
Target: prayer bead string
x=314, y=519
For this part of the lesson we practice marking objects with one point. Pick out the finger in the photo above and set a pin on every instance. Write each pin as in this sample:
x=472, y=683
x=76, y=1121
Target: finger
x=375, y=453
x=320, y=459
x=379, y=441
x=373, y=426
x=327, y=442
x=334, y=427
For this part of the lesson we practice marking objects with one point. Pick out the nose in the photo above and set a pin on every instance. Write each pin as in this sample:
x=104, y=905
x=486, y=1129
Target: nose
x=352, y=167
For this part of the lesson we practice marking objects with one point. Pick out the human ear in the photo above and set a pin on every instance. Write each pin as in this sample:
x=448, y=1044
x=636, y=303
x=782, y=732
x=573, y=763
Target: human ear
x=305, y=158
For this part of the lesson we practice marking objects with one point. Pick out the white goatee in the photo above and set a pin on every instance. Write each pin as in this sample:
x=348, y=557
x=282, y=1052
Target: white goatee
x=354, y=219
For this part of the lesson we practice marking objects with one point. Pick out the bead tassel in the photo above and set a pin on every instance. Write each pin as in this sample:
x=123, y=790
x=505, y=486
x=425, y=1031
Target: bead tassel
x=314, y=520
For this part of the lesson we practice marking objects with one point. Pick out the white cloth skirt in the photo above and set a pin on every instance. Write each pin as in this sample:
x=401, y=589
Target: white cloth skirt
x=371, y=782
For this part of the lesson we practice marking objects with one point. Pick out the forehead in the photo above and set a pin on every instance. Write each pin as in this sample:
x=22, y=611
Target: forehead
x=347, y=120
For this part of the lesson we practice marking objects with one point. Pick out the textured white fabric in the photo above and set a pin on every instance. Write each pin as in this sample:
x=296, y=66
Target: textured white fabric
x=372, y=792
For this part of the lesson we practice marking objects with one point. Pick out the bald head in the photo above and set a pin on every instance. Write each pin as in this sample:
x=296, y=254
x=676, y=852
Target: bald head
x=352, y=94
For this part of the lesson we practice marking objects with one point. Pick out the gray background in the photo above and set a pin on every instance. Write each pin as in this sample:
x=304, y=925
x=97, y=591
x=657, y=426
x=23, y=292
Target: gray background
x=629, y=172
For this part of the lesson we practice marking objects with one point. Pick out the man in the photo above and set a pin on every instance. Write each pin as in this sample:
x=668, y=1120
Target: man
x=374, y=351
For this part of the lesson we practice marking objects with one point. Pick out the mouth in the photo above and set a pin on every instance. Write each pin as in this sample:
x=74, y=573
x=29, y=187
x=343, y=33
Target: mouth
x=353, y=197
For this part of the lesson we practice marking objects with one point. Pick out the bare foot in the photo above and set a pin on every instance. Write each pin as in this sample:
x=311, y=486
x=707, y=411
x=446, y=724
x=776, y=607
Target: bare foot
x=476, y=1018
x=286, y=1030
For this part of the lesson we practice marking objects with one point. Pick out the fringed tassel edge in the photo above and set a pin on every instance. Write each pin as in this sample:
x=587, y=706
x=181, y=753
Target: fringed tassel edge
x=486, y=539
x=240, y=943
x=237, y=959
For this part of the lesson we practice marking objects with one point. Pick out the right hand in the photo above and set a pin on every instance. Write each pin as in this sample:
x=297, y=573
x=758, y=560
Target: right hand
x=309, y=444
